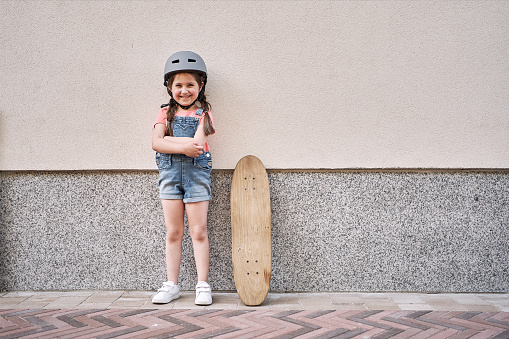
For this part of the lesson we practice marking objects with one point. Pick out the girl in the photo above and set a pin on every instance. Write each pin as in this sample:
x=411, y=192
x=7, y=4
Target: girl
x=184, y=162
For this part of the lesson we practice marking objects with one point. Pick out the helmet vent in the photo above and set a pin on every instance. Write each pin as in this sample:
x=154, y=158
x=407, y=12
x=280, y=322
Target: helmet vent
x=191, y=60
x=175, y=61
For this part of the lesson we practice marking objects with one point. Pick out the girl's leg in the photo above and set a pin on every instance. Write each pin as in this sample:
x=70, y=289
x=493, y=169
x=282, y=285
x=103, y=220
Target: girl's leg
x=197, y=220
x=174, y=219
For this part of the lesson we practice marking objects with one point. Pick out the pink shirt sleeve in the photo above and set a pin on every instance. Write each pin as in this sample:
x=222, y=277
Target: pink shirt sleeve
x=161, y=117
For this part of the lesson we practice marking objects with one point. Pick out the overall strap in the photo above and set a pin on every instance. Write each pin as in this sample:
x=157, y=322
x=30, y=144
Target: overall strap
x=199, y=111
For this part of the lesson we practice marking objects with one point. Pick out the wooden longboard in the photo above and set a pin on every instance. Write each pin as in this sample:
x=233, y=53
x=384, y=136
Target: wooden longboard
x=251, y=230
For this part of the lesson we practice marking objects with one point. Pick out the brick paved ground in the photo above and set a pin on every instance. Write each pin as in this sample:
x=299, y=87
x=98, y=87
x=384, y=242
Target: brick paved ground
x=129, y=314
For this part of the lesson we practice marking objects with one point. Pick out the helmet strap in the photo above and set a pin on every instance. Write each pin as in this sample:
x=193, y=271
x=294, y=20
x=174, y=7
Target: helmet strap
x=186, y=107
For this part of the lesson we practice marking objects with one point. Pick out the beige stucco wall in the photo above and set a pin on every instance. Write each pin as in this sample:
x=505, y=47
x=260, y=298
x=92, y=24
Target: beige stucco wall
x=301, y=84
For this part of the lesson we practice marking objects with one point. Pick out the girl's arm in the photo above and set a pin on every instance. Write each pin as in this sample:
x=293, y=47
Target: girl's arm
x=160, y=144
x=179, y=140
x=199, y=137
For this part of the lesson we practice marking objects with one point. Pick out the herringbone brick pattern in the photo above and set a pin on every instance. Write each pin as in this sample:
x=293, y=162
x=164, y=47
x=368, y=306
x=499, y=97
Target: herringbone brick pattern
x=215, y=323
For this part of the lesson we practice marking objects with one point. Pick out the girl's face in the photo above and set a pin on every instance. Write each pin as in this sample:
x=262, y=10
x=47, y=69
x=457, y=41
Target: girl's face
x=185, y=88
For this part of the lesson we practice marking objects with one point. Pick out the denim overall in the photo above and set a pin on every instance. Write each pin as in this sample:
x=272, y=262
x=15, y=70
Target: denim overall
x=180, y=176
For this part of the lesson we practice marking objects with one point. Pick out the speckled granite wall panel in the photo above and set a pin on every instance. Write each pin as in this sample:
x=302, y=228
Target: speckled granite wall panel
x=332, y=231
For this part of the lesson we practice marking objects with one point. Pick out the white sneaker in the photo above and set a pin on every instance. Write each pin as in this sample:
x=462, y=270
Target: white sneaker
x=203, y=294
x=167, y=293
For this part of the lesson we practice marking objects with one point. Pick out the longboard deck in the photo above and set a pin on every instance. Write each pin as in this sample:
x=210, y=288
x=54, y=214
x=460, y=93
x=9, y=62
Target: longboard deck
x=251, y=230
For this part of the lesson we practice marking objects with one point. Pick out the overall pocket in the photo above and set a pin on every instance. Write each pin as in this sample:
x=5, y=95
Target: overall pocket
x=163, y=160
x=204, y=161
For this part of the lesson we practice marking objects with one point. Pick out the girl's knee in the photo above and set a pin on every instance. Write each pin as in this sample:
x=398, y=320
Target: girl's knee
x=174, y=235
x=199, y=234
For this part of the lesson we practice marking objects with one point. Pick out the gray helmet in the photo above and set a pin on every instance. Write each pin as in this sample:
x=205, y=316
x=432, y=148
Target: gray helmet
x=183, y=61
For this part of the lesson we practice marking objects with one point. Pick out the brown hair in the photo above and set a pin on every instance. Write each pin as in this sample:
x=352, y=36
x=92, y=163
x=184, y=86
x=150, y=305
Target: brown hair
x=204, y=104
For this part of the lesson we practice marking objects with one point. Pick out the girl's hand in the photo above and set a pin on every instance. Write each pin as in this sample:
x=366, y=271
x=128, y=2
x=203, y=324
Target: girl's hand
x=176, y=145
x=192, y=149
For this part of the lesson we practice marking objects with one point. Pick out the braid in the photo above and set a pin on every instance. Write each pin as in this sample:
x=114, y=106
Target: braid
x=207, y=122
x=207, y=125
x=170, y=114
x=172, y=108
